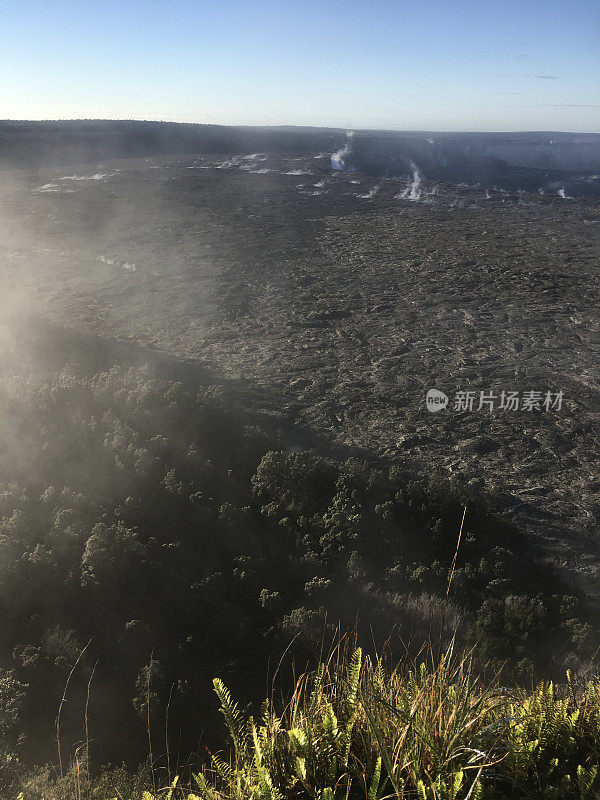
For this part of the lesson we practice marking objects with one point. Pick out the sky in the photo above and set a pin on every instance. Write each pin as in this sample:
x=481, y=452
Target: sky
x=402, y=65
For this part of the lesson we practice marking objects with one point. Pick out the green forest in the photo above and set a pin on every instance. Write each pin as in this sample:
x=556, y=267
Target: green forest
x=153, y=540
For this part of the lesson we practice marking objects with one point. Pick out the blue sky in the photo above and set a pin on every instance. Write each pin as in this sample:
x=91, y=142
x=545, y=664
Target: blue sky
x=408, y=64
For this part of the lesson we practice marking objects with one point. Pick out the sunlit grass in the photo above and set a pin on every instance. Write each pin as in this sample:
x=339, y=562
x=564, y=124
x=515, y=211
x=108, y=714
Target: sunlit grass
x=356, y=729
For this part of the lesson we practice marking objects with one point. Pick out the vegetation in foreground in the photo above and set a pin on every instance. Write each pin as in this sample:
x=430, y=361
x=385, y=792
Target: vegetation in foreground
x=355, y=729
x=150, y=540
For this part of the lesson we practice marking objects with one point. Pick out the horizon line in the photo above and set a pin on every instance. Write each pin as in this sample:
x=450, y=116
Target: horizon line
x=336, y=128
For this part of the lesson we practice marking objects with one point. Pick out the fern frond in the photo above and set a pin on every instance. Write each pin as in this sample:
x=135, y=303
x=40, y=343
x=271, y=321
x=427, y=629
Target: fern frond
x=231, y=713
x=374, y=787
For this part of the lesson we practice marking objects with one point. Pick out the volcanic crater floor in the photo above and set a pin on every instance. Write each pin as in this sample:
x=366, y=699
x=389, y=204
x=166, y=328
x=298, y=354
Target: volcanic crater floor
x=327, y=303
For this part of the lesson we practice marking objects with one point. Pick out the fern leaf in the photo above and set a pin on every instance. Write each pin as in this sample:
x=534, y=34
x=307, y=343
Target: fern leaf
x=374, y=787
x=231, y=714
x=353, y=677
x=208, y=792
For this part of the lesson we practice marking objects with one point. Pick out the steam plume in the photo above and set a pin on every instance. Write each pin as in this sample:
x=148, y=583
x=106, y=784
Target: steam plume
x=370, y=194
x=338, y=160
x=413, y=190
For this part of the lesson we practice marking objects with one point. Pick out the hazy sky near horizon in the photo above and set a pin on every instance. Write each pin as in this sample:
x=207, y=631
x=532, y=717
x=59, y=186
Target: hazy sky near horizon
x=408, y=64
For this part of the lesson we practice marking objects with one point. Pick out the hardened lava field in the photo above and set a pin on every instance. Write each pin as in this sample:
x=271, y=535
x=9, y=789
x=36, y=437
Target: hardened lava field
x=328, y=304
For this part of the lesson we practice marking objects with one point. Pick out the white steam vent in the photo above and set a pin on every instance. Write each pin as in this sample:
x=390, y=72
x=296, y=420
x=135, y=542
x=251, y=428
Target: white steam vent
x=413, y=188
x=338, y=160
